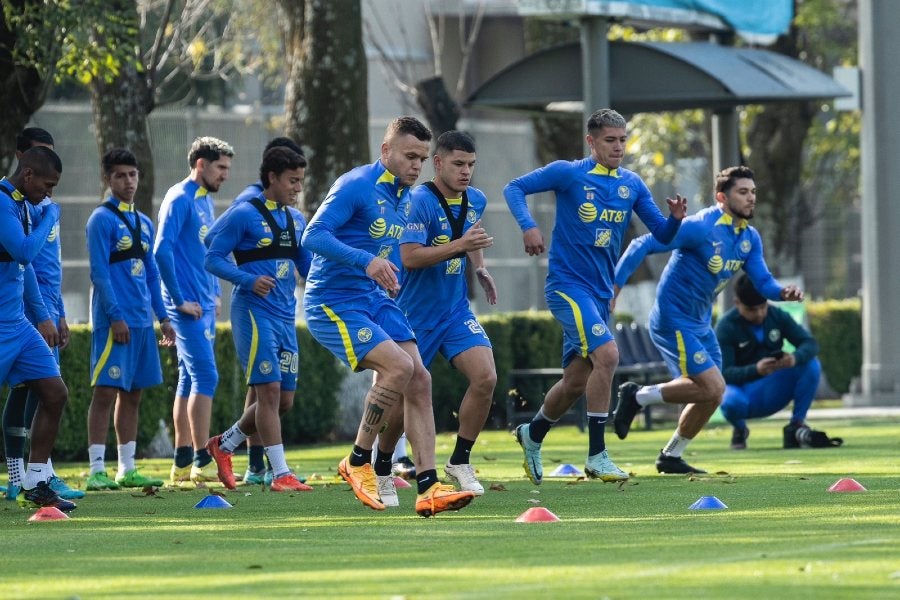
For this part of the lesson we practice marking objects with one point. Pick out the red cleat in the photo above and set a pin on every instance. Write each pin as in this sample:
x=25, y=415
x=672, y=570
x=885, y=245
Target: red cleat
x=223, y=462
x=289, y=483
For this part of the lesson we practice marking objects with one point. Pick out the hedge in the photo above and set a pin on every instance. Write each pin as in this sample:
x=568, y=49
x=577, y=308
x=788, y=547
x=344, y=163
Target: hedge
x=521, y=340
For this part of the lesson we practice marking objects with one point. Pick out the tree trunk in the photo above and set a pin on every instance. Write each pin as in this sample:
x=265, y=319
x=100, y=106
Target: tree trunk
x=293, y=26
x=776, y=138
x=23, y=88
x=441, y=110
x=333, y=118
x=120, y=109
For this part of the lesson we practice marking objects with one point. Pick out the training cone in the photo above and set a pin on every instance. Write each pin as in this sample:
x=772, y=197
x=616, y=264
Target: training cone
x=847, y=485
x=708, y=503
x=48, y=513
x=399, y=482
x=538, y=514
x=213, y=501
x=566, y=470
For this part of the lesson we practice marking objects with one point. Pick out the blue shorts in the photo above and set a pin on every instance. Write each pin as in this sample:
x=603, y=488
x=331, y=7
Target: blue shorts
x=583, y=318
x=687, y=351
x=24, y=355
x=451, y=338
x=195, y=342
x=266, y=346
x=131, y=366
x=55, y=318
x=351, y=328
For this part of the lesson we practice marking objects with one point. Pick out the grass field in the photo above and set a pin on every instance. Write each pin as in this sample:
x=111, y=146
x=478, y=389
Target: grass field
x=782, y=536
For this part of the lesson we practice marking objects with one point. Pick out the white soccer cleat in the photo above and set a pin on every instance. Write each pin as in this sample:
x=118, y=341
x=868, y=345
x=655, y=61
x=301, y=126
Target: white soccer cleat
x=387, y=491
x=464, y=476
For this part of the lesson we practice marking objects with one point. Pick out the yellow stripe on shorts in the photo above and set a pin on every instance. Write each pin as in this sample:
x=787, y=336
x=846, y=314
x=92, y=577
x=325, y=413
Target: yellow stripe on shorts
x=345, y=336
x=682, y=354
x=254, y=345
x=579, y=323
x=104, y=356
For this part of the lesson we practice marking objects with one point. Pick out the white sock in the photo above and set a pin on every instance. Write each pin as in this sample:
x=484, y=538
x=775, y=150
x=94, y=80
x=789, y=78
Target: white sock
x=52, y=470
x=232, y=438
x=36, y=473
x=399, y=449
x=279, y=462
x=676, y=445
x=649, y=394
x=16, y=469
x=126, y=457
x=97, y=456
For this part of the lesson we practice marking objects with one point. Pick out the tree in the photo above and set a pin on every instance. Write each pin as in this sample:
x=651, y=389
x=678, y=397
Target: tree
x=326, y=102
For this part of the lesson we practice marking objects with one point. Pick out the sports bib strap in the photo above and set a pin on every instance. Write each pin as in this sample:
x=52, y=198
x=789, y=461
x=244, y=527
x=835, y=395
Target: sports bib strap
x=137, y=248
x=284, y=246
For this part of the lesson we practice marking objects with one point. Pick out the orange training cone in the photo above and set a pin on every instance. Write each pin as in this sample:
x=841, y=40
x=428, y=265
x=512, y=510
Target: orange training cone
x=538, y=514
x=847, y=485
x=48, y=513
x=399, y=482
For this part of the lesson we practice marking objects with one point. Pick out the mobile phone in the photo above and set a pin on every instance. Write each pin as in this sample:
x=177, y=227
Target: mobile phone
x=778, y=355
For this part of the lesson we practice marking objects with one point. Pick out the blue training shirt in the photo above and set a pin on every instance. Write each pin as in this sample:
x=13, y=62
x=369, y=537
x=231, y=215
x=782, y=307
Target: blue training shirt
x=129, y=289
x=362, y=217
x=243, y=227
x=593, y=209
x=48, y=270
x=429, y=296
x=710, y=247
x=17, y=278
x=185, y=217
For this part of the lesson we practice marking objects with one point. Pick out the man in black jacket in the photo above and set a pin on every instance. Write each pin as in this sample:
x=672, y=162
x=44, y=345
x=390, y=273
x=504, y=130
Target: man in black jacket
x=761, y=377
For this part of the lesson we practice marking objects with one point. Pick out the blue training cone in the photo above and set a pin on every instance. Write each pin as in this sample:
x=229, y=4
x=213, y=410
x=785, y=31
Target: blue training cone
x=708, y=503
x=566, y=470
x=213, y=501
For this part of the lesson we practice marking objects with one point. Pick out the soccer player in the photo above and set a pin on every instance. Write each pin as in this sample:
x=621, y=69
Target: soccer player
x=760, y=377
x=710, y=247
x=264, y=235
x=26, y=356
x=257, y=473
x=127, y=296
x=191, y=295
x=350, y=310
x=21, y=403
x=595, y=198
x=443, y=232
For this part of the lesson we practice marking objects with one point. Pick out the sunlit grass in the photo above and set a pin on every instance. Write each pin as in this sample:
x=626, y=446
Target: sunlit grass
x=782, y=536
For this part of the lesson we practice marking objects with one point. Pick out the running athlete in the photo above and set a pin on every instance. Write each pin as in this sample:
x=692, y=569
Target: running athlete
x=26, y=356
x=263, y=234
x=710, y=247
x=444, y=230
x=191, y=295
x=595, y=198
x=21, y=403
x=256, y=473
x=127, y=296
x=350, y=310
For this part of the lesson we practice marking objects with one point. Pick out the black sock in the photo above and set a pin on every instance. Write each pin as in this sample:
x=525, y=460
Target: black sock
x=461, y=452
x=184, y=456
x=202, y=458
x=383, y=462
x=425, y=480
x=359, y=456
x=538, y=428
x=255, y=458
x=14, y=423
x=596, y=429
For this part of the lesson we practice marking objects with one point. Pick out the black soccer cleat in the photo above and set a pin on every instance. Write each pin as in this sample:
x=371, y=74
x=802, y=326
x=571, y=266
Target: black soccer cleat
x=675, y=465
x=626, y=409
x=739, y=438
x=404, y=468
x=43, y=495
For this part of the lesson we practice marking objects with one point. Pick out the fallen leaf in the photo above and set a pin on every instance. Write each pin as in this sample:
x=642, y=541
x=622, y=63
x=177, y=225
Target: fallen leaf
x=534, y=500
x=497, y=487
x=255, y=567
x=489, y=458
x=722, y=473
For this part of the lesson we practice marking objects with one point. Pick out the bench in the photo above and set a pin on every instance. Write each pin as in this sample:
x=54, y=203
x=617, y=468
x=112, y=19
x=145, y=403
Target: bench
x=639, y=361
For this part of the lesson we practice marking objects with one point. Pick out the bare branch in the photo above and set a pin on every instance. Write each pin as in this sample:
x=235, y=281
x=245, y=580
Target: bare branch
x=466, y=46
x=157, y=44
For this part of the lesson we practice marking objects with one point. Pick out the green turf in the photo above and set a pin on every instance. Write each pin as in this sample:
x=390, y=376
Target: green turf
x=782, y=536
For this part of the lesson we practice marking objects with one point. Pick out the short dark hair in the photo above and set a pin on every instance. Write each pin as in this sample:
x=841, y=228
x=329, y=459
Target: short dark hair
x=284, y=142
x=278, y=160
x=727, y=178
x=408, y=126
x=31, y=136
x=454, y=140
x=746, y=292
x=117, y=156
x=605, y=117
x=40, y=159
x=208, y=148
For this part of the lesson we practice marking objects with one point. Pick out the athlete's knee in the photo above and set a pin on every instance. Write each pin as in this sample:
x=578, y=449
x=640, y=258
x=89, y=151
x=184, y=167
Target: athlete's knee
x=286, y=403
x=606, y=357
x=712, y=388
x=52, y=392
x=483, y=383
x=399, y=371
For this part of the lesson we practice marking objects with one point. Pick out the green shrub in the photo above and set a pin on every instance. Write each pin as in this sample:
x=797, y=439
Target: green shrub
x=837, y=326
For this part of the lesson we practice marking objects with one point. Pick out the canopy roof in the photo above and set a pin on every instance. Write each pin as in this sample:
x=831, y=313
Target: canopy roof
x=656, y=77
